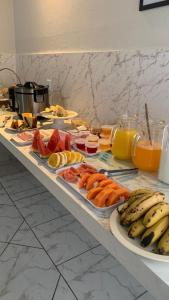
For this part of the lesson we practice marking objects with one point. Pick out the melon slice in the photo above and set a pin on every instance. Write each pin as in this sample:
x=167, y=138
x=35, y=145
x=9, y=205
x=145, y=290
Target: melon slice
x=53, y=141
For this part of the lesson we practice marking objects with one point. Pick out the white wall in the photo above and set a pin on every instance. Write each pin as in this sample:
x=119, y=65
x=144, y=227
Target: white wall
x=7, y=30
x=75, y=25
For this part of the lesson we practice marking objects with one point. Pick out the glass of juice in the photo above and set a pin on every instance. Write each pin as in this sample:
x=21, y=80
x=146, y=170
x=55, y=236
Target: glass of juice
x=104, y=144
x=146, y=152
x=122, y=139
x=106, y=131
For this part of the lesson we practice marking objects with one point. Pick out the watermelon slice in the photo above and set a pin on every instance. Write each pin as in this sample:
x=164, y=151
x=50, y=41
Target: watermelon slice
x=67, y=142
x=35, y=141
x=42, y=149
x=64, y=143
x=53, y=141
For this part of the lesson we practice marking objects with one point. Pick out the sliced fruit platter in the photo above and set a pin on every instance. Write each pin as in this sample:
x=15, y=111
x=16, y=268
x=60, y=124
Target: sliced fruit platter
x=57, y=111
x=26, y=137
x=57, y=151
x=61, y=159
x=58, y=142
x=101, y=192
x=143, y=223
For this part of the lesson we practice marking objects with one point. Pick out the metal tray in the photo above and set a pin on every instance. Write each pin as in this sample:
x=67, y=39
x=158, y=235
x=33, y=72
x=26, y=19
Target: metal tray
x=102, y=212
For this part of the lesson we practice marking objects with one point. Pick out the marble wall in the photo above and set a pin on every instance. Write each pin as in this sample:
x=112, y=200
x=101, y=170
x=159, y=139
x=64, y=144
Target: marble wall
x=103, y=85
x=9, y=61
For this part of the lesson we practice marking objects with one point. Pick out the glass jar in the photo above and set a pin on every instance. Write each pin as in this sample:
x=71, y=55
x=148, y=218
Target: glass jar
x=95, y=127
x=145, y=152
x=122, y=137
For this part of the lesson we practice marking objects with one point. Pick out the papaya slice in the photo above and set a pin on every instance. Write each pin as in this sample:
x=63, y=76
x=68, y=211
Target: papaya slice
x=97, y=177
x=83, y=180
x=93, y=192
x=102, y=197
x=113, y=186
x=116, y=196
x=105, y=182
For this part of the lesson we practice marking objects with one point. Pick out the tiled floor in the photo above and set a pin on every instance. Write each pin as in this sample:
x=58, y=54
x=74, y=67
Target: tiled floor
x=45, y=254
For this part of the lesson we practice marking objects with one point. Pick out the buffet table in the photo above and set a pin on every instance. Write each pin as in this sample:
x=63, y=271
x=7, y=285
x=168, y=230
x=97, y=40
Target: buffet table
x=154, y=276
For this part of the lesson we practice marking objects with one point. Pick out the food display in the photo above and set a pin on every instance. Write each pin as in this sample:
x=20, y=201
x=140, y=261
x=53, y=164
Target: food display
x=57, y=143
x=57, y=110
x=25, y=138
x=97, y=188
x=88, y=145
x=18, y=124
x=29, y=122
x=146, y=218
x=61, y=159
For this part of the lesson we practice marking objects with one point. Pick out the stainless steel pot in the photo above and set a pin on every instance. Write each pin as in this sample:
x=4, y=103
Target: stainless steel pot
x=31, y=97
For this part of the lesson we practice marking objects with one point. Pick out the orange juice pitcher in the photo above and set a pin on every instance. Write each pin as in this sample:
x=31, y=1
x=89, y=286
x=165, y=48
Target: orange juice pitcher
x=122, y=138
x=146, y=150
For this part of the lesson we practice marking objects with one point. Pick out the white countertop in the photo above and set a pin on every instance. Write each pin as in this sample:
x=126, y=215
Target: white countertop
x=154, y=276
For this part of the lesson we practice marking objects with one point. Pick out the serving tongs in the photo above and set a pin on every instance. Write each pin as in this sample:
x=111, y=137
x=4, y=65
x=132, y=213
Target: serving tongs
x=118, y=172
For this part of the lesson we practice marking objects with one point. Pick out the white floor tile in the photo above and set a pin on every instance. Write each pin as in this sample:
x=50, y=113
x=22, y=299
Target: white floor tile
x=11, y=167
x=5, y=155
x=10, y=220
x=96, y=275
x=21, y=185
x=64, y=238
x=40, y=208
x=146, y=296
x=4, y=198
x=25, y=236
x=63, y=292
x=2, y=247
x=26, y=273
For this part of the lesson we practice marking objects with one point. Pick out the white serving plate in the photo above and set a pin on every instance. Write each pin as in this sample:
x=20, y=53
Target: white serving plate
x=20, y=129
x=103, y=212
x=133, y=245
x=70, y=114
x=21, y=142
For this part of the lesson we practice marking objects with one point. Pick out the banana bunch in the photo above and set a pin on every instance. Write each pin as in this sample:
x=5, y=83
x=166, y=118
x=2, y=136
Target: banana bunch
x=147, y=216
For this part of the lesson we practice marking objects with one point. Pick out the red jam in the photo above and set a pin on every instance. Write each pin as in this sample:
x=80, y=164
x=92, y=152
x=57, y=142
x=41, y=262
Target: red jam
x=91, y=148
x=80, y=144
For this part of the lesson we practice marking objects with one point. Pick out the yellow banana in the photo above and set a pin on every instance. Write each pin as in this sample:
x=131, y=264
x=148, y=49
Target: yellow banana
x=133, y=205
x=122, y=209
x=152, y=234
x=136, y=229
x=137, y=194
x=139, y=208
x=155, y=214
x=163, y=245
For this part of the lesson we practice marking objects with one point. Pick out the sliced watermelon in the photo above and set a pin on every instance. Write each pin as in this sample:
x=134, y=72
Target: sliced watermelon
x=53, y=141
x=64, y=143
x=35, y=140
x=67, y=142
x=42, y=149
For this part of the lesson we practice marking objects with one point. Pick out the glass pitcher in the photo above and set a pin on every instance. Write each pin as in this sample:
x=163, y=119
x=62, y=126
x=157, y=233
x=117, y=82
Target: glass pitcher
x=146, y=152
x=163, y=174
x=122, y=137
